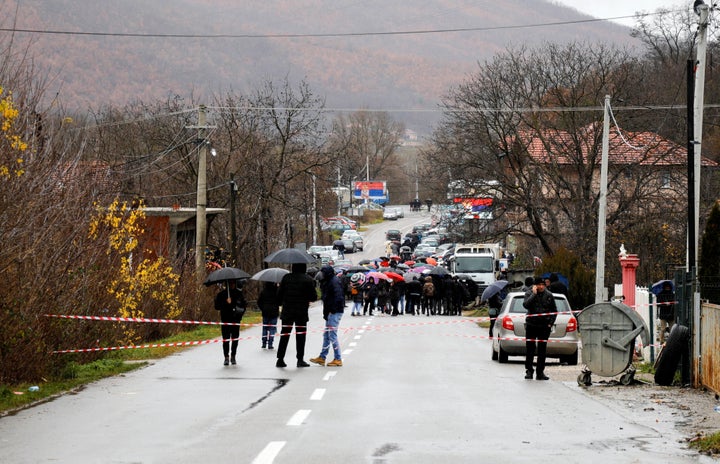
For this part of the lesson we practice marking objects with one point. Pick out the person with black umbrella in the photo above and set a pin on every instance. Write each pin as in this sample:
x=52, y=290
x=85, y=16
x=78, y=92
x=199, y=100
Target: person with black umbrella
x=231, y=303
x=296, y=292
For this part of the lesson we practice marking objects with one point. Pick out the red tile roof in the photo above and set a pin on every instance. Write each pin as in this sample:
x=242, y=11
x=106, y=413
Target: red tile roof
x=643, y=148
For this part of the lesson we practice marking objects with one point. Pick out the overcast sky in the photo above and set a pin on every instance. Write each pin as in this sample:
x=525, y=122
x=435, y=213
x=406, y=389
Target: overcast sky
x=615, y=8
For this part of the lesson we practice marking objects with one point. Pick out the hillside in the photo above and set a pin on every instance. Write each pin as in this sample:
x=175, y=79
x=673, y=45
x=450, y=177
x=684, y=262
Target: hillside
x=407, y=71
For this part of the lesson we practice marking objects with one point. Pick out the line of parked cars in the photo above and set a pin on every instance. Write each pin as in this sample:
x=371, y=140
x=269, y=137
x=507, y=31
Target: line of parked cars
x=341, y=223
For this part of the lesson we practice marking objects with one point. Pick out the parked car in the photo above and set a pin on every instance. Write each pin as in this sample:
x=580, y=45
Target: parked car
x=390, y=214
x=400, y=213
x=350, y=246
x=353, y=223
x=355, y=237
x=509, y=331
x=393, y=234
x=317, y=249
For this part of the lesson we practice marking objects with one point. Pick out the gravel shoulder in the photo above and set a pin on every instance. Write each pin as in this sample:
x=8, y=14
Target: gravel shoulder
x=690, y=412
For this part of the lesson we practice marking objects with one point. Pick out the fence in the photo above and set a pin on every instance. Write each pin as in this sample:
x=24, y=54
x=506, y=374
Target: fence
x=709, y=340
x=707, y=336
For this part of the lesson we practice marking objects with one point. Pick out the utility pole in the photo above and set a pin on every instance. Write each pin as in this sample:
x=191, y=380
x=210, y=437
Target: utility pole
x=703, y=11
x=201, y=202
x=602, y=207
x=233, y=229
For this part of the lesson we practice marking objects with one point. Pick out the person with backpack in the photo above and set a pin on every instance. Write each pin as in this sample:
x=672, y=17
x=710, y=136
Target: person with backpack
x=356, y=293
x=428, y=296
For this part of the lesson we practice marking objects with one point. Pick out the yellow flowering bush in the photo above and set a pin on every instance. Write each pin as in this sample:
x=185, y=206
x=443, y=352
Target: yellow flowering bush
x=11, y=164
x=141, y=283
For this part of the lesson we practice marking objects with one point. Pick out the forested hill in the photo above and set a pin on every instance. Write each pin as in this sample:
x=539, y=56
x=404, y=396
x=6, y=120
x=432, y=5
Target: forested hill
x=237, y=45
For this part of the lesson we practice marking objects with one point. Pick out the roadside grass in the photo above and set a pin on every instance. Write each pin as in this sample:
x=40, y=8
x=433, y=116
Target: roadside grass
x=707, y=445
x=481, y=311
x=76, y=375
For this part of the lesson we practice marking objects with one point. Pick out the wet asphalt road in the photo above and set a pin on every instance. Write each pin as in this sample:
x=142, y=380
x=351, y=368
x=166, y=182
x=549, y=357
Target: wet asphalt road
x=412, y=390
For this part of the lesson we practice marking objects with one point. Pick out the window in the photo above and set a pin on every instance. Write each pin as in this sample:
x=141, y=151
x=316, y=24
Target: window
x=665, y=180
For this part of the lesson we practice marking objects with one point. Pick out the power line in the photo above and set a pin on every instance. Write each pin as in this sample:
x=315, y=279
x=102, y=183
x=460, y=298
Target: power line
x=321, y=35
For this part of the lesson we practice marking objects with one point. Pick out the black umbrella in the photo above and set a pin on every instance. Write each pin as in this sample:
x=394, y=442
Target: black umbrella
x=492, y=289
x=289, y=256
x=439, y=271
x=224, y=274
x=356, y=269
x=271, y=274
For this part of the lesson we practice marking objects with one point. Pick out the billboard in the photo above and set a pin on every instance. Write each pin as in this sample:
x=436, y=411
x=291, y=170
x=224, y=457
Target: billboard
x=371, y=190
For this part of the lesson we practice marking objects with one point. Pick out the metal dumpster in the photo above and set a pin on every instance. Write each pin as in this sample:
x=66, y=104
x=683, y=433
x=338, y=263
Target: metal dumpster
x=608, y=331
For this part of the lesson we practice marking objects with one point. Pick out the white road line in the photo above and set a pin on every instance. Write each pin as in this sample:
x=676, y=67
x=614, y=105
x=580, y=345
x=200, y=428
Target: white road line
x=329, y=375
x=318, y=394
x=299, y=417
x=361, y=331
x=268, y=455
x=357, y=337
x=348, y=351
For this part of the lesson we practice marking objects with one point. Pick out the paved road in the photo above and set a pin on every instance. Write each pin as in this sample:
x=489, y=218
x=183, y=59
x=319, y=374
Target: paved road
x=412, y=390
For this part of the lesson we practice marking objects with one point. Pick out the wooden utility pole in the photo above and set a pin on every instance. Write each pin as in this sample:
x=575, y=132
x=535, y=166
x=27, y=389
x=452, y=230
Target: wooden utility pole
x=201, y=203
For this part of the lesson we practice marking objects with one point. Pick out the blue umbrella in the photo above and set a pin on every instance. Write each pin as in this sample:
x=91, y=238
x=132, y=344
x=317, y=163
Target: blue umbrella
x=492, y=289
x=658, y=286
x=561, y=278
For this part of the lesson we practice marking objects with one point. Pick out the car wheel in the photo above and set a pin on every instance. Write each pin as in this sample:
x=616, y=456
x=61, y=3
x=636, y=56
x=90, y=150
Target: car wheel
x=668, y=359
x=494, y=355
x=502, y=355
x=571, y=359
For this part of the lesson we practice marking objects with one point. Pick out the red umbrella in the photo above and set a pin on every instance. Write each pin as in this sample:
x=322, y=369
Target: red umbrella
x=394, y=276
x=432, y=261
x=376, y=276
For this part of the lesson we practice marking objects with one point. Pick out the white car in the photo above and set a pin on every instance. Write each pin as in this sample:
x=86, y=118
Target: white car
x=390, y=214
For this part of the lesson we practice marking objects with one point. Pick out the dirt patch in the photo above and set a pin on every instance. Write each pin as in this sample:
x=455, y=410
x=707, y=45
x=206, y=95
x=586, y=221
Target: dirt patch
x=691, y=412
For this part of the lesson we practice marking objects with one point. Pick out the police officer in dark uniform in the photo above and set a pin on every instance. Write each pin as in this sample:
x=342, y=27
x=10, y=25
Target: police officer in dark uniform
x=538, y=300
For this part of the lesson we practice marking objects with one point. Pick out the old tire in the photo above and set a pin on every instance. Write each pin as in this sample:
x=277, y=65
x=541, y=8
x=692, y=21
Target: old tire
x=502, y=355
x=669, y=358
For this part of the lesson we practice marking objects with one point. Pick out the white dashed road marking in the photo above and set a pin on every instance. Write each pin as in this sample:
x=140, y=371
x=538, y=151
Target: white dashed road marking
x=318, y=394
x=268, y=455
x=299, y=417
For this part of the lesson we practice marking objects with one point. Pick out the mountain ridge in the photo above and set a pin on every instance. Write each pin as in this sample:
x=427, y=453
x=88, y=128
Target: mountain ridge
x=400, y=56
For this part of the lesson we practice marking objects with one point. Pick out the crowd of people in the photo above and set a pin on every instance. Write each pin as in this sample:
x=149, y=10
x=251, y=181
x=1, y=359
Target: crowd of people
x=417, y=295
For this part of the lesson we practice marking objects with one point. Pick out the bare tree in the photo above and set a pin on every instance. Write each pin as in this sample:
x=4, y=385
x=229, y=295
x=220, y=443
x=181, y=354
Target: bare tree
x=365, y=143
x=530, y=119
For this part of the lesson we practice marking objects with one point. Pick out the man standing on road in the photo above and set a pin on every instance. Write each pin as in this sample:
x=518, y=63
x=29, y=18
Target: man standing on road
x=541, y=315
x=333, y=299
x=297, y=291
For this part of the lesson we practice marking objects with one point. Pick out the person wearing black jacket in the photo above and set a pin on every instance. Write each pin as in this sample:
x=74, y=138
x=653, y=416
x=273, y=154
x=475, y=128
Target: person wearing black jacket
x=269, y=304
x=296, y=292
x=414, y=291
x=231, y=304
x=538, y=300
x=333, y=298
